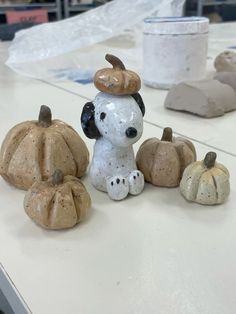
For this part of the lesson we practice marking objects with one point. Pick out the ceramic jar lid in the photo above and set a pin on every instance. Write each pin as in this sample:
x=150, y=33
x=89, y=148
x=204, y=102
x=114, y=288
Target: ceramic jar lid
x=176, y=25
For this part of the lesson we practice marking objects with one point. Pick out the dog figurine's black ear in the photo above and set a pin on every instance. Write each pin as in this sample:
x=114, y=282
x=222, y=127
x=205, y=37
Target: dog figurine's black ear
x=137, y=97
x=88, y=121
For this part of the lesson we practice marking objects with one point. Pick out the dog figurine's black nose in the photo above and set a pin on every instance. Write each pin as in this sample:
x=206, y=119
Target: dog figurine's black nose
x=131, y=132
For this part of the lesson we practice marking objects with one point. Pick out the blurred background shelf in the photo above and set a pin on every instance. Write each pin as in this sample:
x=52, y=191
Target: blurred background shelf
x=216, y=10
x=51, y=7
x=203, y=3
x=78, y=6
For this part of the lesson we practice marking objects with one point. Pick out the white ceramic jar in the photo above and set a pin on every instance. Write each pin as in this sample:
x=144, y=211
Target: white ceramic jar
x=174, y=50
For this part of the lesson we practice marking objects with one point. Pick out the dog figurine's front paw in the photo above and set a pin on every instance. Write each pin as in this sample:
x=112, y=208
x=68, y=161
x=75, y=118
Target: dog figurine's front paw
x=117, y=187
x=136, y=182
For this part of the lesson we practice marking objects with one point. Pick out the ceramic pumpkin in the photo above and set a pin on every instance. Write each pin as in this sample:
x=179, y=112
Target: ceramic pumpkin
x=206, y=182
x=32, y=150
x=162, y=162
x=58, y=203
x=117, y=80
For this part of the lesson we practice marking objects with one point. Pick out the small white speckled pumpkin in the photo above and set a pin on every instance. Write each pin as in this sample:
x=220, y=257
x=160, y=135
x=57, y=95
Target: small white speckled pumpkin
x=58, y=203
x=206, y=182
x=33, y=150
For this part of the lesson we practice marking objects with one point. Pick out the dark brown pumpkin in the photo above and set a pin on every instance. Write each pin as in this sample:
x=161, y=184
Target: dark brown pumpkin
x=117, y=80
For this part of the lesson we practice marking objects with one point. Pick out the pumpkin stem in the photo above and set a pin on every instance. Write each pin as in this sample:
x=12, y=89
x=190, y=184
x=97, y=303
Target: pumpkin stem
x=209, y=160
x=167, y=135
x=45, y=116
x=57, y=177
x=115, y=62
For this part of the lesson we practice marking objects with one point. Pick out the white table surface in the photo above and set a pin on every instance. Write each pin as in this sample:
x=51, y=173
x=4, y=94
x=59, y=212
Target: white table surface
x=154, y=253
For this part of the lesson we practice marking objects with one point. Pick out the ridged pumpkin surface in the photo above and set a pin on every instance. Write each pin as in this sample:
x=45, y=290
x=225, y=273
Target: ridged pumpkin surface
x=205, y=185
x=57, y=206
x=33, y=152
x=163, y=162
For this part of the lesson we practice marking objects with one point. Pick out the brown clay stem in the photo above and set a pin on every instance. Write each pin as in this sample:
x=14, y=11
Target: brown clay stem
x=45, y=116
x=115, y=62
x=210, y=159
x=167, y=135
x=57, y=177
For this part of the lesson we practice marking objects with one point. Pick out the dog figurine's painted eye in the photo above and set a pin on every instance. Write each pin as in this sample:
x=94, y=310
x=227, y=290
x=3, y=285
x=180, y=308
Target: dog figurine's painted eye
x=102, y=116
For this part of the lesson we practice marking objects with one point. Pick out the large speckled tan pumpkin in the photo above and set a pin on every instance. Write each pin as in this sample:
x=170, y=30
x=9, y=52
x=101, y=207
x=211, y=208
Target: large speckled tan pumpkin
x=162, y=162
x=206, y=182
x=59, y=203
x=33, y=150
x=117, y=80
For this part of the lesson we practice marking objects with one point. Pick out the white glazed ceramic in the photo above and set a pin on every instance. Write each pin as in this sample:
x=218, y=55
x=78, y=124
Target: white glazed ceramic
x=174, y=50
x=113, y=168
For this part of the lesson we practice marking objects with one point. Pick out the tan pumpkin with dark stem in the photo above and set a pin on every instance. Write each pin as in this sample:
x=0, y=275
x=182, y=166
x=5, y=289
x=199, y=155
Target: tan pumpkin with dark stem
x=117, y=80
x=59, y=203
x=162, y=162
x=33, y=150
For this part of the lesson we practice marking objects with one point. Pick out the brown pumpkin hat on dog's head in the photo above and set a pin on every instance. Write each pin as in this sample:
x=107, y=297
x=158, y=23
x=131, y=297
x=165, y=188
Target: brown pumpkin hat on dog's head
x=117, y=80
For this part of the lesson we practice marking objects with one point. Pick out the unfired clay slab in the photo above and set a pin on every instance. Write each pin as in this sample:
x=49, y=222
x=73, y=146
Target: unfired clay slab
x=207, y=98
x=228, y=78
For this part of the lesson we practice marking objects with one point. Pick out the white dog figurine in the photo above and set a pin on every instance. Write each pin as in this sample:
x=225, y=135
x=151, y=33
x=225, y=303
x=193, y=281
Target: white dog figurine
x=116, y=122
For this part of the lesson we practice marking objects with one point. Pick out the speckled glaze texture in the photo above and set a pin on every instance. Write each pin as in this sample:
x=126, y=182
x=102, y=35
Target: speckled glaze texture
x=162, y=162
x=32, y=151
x=57, y=206
x=226, y=62
x=119, y=124
x=205, y=185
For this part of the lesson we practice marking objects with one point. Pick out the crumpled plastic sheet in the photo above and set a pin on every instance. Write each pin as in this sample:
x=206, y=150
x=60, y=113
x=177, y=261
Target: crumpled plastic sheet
x=64, y=49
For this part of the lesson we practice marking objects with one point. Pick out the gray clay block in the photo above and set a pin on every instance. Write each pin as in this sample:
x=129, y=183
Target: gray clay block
x=228, y=78
x=226, y=62
x=208, y=98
